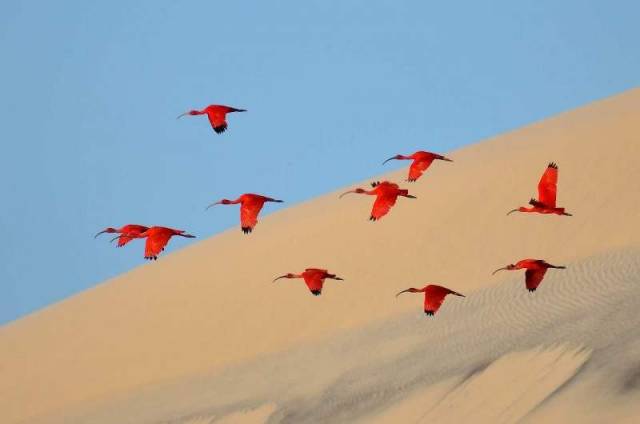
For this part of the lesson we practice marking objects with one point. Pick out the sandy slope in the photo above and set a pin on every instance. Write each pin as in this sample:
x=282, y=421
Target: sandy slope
x=203, y=334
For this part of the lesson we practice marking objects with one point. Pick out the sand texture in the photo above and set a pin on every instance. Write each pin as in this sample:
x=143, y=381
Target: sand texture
x=203, y=335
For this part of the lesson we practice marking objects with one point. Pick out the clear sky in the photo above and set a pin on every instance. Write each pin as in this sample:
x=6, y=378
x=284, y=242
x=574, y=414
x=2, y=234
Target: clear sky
x=90, y=92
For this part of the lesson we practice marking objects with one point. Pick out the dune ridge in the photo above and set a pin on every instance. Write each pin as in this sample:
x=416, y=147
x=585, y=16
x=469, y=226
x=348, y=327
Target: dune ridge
x=505, y=392
x=204, y=333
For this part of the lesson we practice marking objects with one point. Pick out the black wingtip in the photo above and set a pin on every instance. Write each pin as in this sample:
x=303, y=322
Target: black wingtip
x=375, y=183
x=220, y=129
x=316, y=292
x=247, y=230
x=531, y=290
x=429, y=313
x=553, y=165
x=372, y=218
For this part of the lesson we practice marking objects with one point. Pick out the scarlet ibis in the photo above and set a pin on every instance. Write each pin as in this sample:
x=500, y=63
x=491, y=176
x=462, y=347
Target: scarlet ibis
x=547, y=188
x=433, y=296
x=386, y=195
x=127, y=229
x=313, y=277
x=421, y=161
x=217, y=115
x=250, y=206
x=535, y=270
x=157, y=239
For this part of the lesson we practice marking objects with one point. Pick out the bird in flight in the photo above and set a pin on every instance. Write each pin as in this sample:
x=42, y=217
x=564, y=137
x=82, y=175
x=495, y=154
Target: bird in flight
x=250, y=206
x=314, y=278
x=547, y=189
x=421, y=161
x=433, y=296
x=386, y=195
x=133, y=229
x=217, y=115
x=535, y=270
x=157, y=239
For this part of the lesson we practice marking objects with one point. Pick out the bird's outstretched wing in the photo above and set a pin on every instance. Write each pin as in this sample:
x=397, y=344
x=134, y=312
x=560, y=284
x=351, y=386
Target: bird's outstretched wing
x=314, y=281
x=418, y=167
x=132, y=229
x=218, y=121
x=547, y=186
x=155, y=244
x=382, y=205
x=433, y=297
x=533, y=278
x=122, y=240
x=249, y=211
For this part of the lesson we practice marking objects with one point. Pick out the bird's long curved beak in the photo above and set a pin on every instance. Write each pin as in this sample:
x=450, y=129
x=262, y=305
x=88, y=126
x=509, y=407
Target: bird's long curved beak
x=101, y=232
x=403, y=291
x=409, y=196
x=181, y=115
x=512, y=211
x=276, y=279
x=188, y=235
x=211, y=205
x=346, y=192
x=457, y=294
x=391, y=158
x=447, y=159
x=338, y=278
x=499, y=269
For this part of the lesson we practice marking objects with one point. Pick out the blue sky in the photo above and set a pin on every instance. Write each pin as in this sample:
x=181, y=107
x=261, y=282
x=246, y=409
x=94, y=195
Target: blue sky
x=90, y=92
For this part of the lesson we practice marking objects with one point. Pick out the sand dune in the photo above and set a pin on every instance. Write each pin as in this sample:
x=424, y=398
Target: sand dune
x=506, y=391
x=203, y=334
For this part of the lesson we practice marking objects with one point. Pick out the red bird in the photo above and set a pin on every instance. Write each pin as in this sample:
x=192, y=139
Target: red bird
x=536, y=268
x=547, y=188
x=127, y=229
x=421, y=161
x=433, y=296
x=386, y=195
x=314, y=278
x=217, y=115
x=250, y=206
x=157, y=239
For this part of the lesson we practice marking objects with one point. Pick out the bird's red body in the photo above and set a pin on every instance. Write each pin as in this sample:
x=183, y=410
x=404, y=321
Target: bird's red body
x=250, y=206
x=217, y=115
x=386, y=195
x=157, y=239
x=133, y=229
x=314, y=278
x=547, y=190
x=433, y=296
x=421, y=161
x=536, y=268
